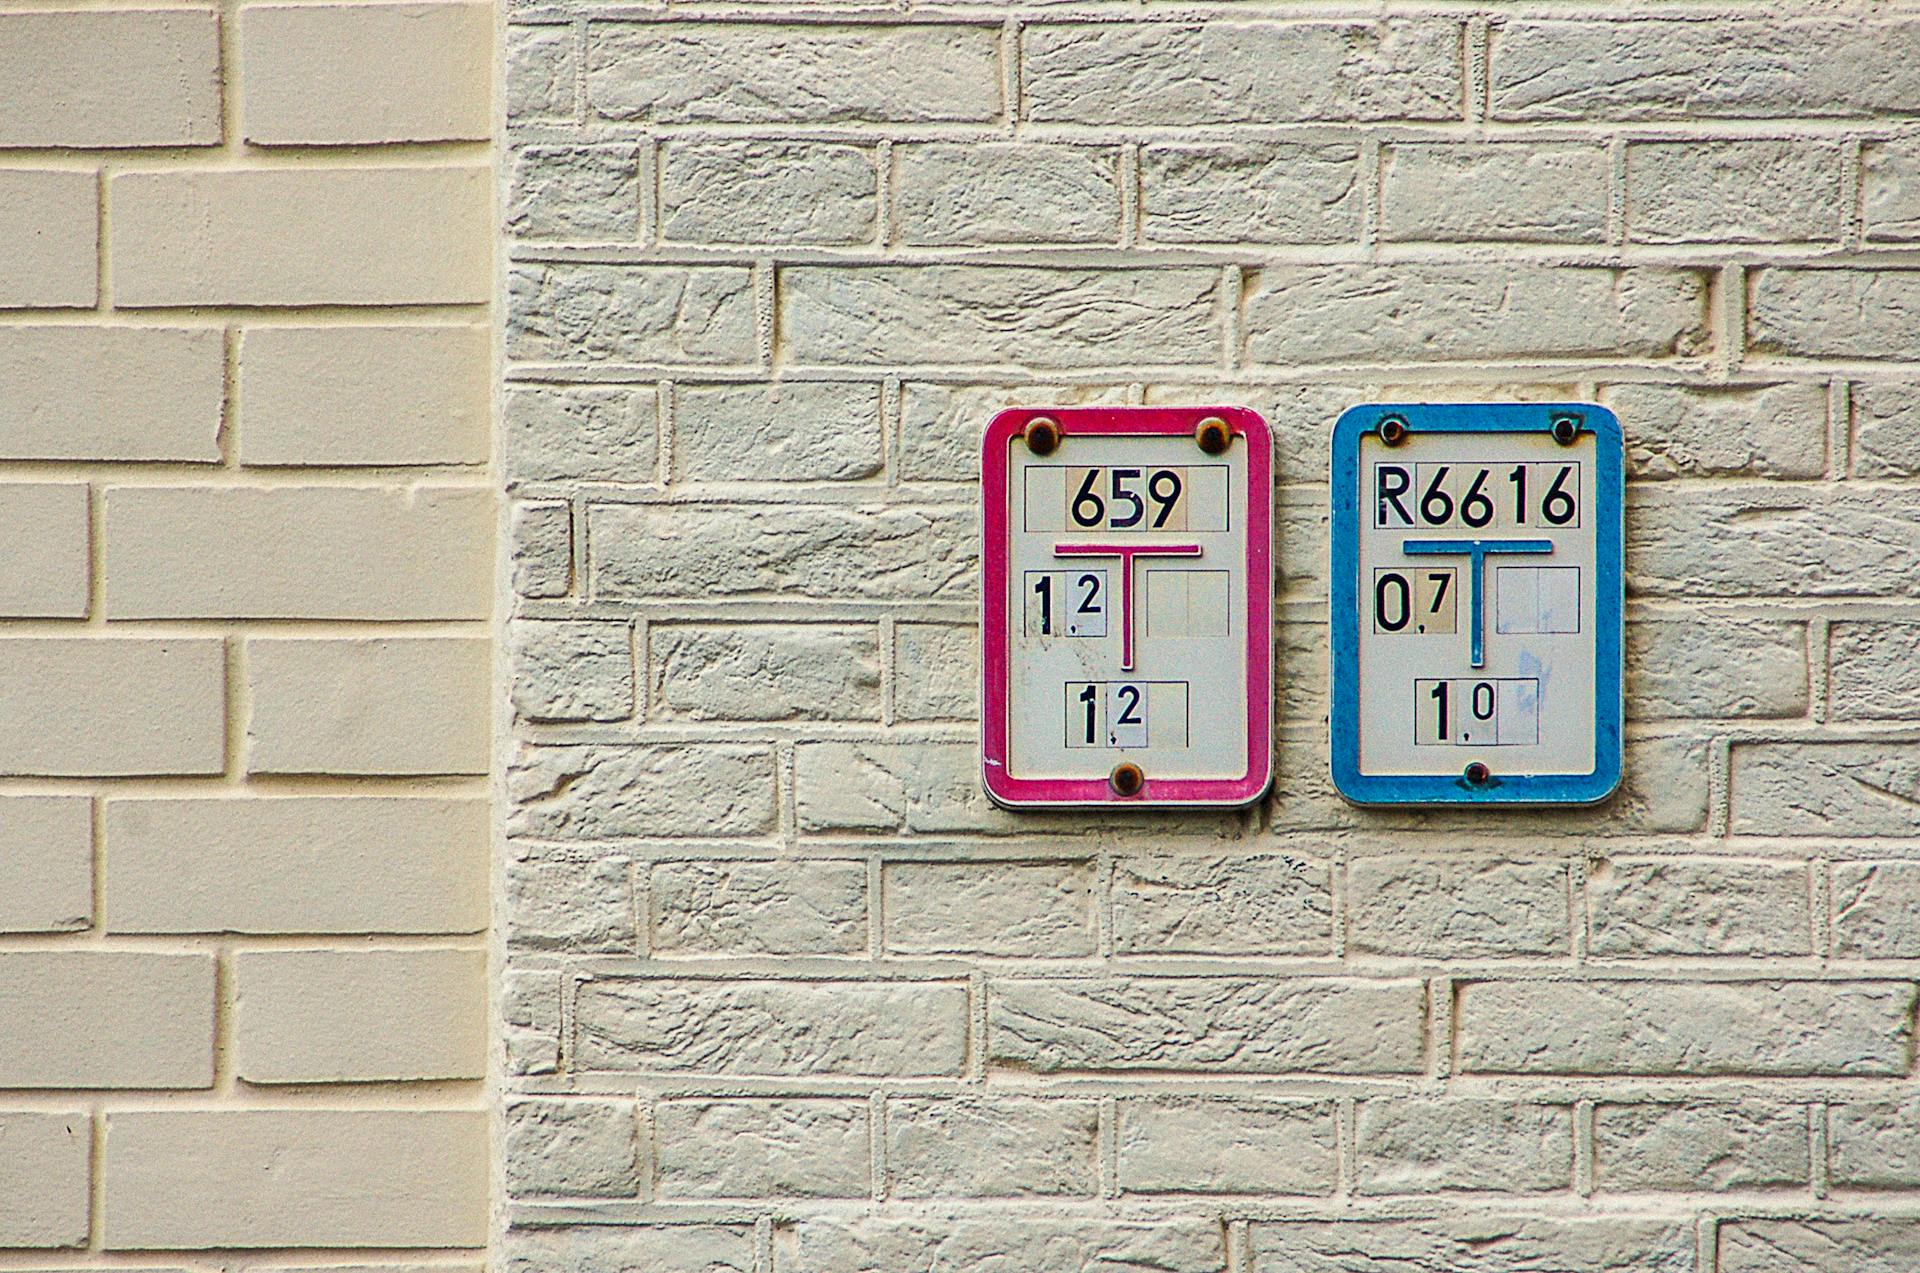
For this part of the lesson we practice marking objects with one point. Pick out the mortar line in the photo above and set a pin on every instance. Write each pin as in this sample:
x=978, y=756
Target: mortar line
x=1852, y=194
x=876, y=908
x=878, y=1169
x=1106, y=1126
x=883, y=197
x=1477, y=37
x=1616, y=229
x=666, y=404
x=652, y=197
x=1583, y=1167
x=1839, y=429
x=889, y=669
x=1719, y=786
x=1819, y=1149
x=1732, y=319
x=1706, y=1228
x=892, y=440
x=1820, y=908
x=1819, y=640
x=1131, y=231
x=1010, y=73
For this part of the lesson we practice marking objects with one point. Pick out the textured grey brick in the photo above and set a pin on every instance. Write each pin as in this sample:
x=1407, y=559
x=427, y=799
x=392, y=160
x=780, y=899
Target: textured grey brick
x=1890, y=189
x=1715, y=668
x=966, y=1242
x=572, y=1148
x=606, y=434
x=657, y=1248
x=575, y=193
x=1403, y=1145
x=1475, y=1244
x=936, y=668
x=1871, y=1244
x=1699, y=1145
x=1250, y=192
x=1125, y=75
x=1886, y=430
x=990, y=908
x=540, y=549
x=767, y=192
x=578, y=907
x=762, y=1148
x=1869, y=788
x=1451, y=908
x=530, y=1022
x=1378, y=313
x=1876, y=910
x=1652, y=1027
x=631, y=313
x=753, y=908
x=1006, y=192
x=571, y=671
x=941, y=425
x=541, y=69
x=1795, y=540
x=1003, y=1147
x=799, y=431
x=1875, y=1145
x=764, y=671
x=1804, y=313
x=1720, y=431
x=767, y=73
x=1242, y=905
x=884, y=786
x=878, y=1029
x=1734, y=192
x=1225, y=1145
x=1530, y=192
x=1875, y=670
x=1227, y=1025
x=1640, y=907
x=603, y=792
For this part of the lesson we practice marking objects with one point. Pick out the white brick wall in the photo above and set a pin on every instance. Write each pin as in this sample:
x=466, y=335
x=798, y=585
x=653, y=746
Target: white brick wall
x=784, y=994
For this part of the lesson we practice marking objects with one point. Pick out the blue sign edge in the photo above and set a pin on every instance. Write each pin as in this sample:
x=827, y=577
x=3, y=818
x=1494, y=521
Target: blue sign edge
x=1344, y=601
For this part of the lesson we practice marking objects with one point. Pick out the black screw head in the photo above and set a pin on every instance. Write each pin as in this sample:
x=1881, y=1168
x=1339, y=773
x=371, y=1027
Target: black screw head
x=1393, y=430
x=1043, y=435
x=1127, y=779
x=1566, y=428
x=1477, y=774
x=1212, y=435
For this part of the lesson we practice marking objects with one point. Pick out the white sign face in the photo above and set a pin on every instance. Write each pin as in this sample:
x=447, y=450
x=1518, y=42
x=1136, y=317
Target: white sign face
x=1477, y=591
x=1127, y=612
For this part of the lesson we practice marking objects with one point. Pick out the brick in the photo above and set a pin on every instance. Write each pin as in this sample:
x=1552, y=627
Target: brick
x=768, y=192
x=359, y=1015
x=575, y=193
x=759, y=908
x=1715, y=669
x=1216, y=1145
x=1833, y=313
x=1241, y=905
x=1250, y=192
x=770, y=73
x=1430, y=1146
x=1003, y=1147
x=687, y=1247
x=303, y=864
x=332, y=74
x=1500, y=192
x=46, y=865
x=1876, y=910
x=549, y=432
x=1854, y=789
x=941, y=1242
x=605, y=792
x=832, y=552
x=1006, y=192
x=296, y=1177
x=762, y=1149
x=298, y=552
x=111, y=393
x=876, y=1029
x=106, y=77
x=1696, y=1028
x=1640, y=907
x=363, y=395
x=936, y=669
x=941, y=425
x=1699, y=1145
x=1127, y=74
x=530, y=1022
x=881, y=786
x=1885, y=441
x=1796, y=540
x=1874, y=674
x=572, y=1149
x=1873, y=1144
x=541, y=72
x=1342, y=313
x=540, y=549
x=146, y=1019
x=1476, y=1244
x=721, y=672
x=990, y=908
x=797, y=431
x=339, y=236
x=1742, y=68
x=1869, y=1244
x=1031, y=316
x=582, y=907
x=1742, y=431
x=1226, y=1025
x=104, y=706
x=45, y=558
x=409, y=705
x=1890, y=190
x=571, y=671
x=633, y=313
x=51, y=218
x=1451, y=909
x=1734, y=192
x=43, y=1176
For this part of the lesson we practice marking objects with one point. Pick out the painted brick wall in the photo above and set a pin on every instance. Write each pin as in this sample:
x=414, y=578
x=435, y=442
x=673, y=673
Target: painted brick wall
x=784, y=994
x=244, y=657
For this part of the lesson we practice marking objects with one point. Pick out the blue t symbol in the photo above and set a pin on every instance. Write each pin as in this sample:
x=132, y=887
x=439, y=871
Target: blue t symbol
x=1477, y=550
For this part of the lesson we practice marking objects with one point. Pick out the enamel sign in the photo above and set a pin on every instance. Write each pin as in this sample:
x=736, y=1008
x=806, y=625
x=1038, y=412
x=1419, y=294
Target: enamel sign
x=1127, y=614
x=1476, y=604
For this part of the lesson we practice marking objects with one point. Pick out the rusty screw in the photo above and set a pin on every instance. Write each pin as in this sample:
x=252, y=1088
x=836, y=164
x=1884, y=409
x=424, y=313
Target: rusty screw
x=1127, y=779
x=1566, y=428
x=1477, y=774
x=1393, y=430
x=1043, y=435
x=1213, y=435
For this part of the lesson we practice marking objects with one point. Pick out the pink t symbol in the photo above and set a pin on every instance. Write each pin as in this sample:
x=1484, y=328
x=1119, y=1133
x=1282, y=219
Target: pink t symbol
x=1126, y=553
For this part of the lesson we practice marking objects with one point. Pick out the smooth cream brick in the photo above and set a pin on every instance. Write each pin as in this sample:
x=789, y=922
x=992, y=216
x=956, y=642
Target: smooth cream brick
x=112, y=706
x=310, y=236
x=44, y=556
x=111, y=393
x=50, y=221
x=767, y=192
x=46, y=864
x=111, y=77
x=363, y=395
x=326, y=74
x=796, y=431
x=43, y=1177
x=328, y=1016
x=1734, y=192
x=1006, y=192
x=73, y=1018
x=308, y=864
x=407, y=705
x=299, y=1177
x=298, y=552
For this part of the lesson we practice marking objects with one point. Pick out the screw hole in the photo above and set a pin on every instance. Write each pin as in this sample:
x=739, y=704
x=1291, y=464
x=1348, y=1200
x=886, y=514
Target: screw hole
x=1127, y=779
x=1393, y=430
x=1213, y=435
x=1566, y=429
x=1043, y=435
x=1477, y=774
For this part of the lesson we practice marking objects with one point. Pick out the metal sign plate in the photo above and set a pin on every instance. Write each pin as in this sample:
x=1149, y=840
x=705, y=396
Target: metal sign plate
x=1476, y=603
x=1127, y=606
